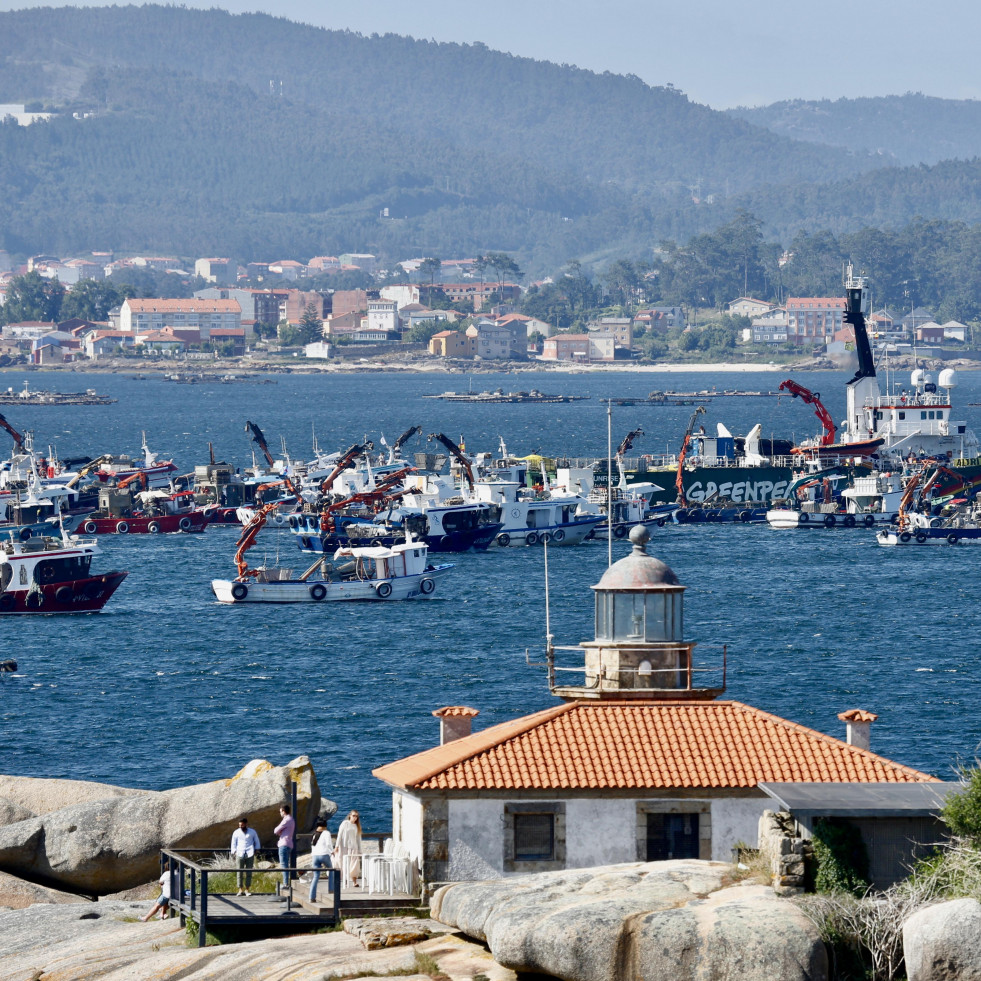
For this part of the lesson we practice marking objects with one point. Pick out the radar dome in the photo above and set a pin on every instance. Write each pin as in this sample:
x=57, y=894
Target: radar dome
x=927, y=378
x=916, y=378
x=948, y=378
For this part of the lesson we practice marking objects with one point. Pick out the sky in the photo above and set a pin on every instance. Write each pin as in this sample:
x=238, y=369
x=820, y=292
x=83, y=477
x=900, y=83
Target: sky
x=722, y=53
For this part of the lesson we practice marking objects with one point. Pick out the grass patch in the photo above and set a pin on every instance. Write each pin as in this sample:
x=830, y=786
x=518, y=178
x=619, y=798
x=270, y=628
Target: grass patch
x=423, y=964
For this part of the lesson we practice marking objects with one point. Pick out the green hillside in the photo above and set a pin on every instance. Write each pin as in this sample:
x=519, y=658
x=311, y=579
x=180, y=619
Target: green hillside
x=905, y=129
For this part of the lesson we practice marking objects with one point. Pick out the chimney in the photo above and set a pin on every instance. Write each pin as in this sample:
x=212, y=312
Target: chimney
x=858, y=724
x=455, y=722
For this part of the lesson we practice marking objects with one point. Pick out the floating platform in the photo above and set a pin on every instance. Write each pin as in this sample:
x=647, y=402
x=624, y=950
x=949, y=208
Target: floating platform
x=25, y=397
x=506, y=397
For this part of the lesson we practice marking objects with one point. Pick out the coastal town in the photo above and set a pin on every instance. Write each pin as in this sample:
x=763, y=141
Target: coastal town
x=475, y=318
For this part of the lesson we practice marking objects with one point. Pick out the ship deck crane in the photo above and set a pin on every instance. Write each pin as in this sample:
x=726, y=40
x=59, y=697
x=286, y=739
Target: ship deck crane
x=345, y=460
x=685, y=443
x=457, y=455
x=813, y=398
x=260, y=440
x=18, y=439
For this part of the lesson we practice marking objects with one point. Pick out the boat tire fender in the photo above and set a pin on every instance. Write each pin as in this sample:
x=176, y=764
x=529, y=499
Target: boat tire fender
x=427, y=585
x=90, y=527
x=7, y=601
x=849, y=521
x=660, y=522
x=744, y=515
x=921, y=536
x=804, y=518
x=185, y=523
x=894, y=517
x=905, y=536
x=25, y=533
x=153, y=527
x=504, y=540
x=384, y=589
x=935, y=522
x=318, y=591
x=558, y=535
x=122, y=527
x=545, y=537
x=64, y=594
x=953, y=538
x=869, y=520
x=620, y=531
x=240, y=591
x=531, y=538
x=830, y=521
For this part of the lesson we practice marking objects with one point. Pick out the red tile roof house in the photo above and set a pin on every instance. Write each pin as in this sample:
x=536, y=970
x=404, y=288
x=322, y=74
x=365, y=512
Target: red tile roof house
x=641, y=763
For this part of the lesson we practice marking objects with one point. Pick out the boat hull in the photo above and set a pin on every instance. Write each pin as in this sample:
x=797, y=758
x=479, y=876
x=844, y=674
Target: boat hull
x=162, y=524
x=572, y=533
x=79, y=596
x=930, y=536
x=421, y=586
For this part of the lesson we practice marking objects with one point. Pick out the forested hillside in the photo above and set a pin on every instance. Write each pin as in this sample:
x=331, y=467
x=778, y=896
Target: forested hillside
x=908, y=129
x=190, y=132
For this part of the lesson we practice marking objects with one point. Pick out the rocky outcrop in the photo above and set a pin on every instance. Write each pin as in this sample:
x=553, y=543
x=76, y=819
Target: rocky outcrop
x=17, y=894
x=943, y=942
x=108, y=845
x=106, y=940
x=678, y=920
x=11, y=812
x=38, y=795
x=394, y=931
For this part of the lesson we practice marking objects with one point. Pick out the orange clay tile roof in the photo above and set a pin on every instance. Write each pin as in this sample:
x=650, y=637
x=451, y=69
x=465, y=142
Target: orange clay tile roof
x=642, y=745
x=456, y=710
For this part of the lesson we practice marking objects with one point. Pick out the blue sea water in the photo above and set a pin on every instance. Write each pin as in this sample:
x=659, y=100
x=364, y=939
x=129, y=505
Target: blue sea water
x=165, y=687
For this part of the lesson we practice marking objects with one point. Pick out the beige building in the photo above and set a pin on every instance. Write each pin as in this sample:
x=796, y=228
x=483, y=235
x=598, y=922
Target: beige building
x=143, y=316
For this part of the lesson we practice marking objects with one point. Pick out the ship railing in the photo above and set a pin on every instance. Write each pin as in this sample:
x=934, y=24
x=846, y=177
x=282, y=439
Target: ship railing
x=910, y=400
x=652, y=462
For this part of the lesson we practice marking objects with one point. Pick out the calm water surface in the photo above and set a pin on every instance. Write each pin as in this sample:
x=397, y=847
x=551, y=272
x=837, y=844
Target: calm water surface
x=166, y=687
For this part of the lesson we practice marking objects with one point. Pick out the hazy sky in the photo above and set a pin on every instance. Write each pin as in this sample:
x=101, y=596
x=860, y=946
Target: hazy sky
x=719, y=52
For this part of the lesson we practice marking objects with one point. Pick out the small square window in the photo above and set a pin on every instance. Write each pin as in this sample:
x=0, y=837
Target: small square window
x=534, y=837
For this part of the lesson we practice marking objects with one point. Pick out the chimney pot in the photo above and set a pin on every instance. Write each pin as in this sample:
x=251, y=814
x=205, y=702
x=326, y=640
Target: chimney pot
x=858, y=725
x=455, y=722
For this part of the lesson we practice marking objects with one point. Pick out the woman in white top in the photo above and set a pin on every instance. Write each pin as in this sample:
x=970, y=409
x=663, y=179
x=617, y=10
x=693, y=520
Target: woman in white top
x=321, y=852
x=348, y=847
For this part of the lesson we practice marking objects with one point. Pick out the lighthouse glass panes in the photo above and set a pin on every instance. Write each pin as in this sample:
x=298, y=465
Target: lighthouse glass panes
x=638, y=617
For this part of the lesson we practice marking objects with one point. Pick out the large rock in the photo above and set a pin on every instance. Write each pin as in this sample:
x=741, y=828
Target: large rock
x=12, y=812
x=943, y=942
x=107, y=845
x=677, y=920
x=17, y=894
x=41, y=796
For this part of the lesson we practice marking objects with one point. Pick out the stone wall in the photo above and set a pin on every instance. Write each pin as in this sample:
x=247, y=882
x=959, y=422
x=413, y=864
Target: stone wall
x=785, y=850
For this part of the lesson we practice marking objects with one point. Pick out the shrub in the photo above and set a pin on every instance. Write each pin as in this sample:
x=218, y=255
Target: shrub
x=841, y=858
x=962, y=810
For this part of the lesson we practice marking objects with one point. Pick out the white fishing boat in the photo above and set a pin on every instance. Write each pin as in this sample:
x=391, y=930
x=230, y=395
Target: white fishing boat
x=374, y=573
x=354, y=573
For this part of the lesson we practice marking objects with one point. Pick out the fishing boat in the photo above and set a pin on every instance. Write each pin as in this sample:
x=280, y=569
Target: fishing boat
x=835, y=498
x=120, y=468
x=372, y=573
x=52, y=575
x=149, y=512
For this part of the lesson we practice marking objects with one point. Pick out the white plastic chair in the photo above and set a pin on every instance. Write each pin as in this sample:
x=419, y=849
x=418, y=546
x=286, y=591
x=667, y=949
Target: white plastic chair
x=401, y=872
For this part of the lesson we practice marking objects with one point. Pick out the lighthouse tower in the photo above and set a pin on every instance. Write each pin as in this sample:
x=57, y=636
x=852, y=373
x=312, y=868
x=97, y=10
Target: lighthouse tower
x=639, y=650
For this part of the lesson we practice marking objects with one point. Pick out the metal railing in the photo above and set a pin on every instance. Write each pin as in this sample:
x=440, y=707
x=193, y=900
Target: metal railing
x=189, y=878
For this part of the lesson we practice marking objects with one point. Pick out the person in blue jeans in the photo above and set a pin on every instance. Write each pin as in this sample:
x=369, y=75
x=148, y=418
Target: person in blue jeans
x=320, y=851
x=286, y=831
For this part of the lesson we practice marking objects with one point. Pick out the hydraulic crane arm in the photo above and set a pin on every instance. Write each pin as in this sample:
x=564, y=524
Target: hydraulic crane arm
x=260, y=440
x=457, y=455
x=405, y=437
x=678, y=480
x=347, y=458
x=813, y=398
x=628, y=441
x=18, y=439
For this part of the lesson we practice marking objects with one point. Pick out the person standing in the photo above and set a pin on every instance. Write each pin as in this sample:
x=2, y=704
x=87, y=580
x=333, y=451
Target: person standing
x=286, y=831
x=348, y=847
x=163, y=900
x=245, y=843
x=320, y=852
